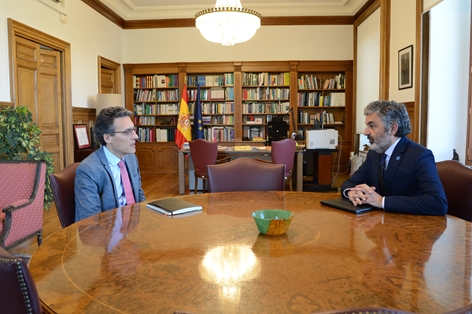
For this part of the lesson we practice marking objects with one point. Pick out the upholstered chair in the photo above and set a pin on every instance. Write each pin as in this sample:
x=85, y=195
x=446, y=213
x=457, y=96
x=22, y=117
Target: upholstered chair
x=64, y=196
x=456, y=179
x=204, y=153
x=283, y=152
x=21, y=201
x=246, y=174
x=18, y=292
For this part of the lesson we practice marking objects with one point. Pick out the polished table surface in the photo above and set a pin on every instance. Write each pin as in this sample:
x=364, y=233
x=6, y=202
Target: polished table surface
x=135, y=260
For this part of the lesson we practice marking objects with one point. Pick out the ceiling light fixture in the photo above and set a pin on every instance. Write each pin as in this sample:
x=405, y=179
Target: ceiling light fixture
x=228, y=23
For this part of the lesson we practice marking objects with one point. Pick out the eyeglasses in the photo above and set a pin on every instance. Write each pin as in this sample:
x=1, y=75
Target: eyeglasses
x=128, y=132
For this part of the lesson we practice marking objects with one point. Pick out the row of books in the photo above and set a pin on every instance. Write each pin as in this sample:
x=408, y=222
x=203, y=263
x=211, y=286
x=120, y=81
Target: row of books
x=214, y=108
x=155, y=109
x=266, y=79
x=261, y=93
x=153, y=120
x=316, y=99
x=224, y=119
x=212, y=94
x=217, y=133
x=305, y=117
x=268, y=107
x=335, y=83
x=156, y=134
x=309, y=81
x=156, y=95
x=156, y=81
x=249, y=79
x=211, y=80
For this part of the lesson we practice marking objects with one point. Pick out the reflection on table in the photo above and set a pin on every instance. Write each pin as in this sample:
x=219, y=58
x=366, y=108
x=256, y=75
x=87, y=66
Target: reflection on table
x=135, y=260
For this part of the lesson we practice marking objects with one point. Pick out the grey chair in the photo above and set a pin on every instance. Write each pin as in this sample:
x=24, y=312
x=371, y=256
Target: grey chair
x=456, y=179
x=246, y=174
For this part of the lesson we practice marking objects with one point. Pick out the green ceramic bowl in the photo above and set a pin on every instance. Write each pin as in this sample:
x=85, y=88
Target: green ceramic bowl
x=272, y=221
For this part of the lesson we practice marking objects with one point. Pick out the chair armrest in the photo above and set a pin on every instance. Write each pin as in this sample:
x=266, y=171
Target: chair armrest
x=263, y=160
x=223, y=160
x=17, y=205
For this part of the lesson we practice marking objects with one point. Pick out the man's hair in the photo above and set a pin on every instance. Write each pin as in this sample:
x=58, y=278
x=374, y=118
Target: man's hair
x=104, y=122
x=391, y=112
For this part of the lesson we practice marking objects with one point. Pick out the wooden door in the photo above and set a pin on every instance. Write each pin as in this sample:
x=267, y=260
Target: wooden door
x=107, y=82
x=39, y=88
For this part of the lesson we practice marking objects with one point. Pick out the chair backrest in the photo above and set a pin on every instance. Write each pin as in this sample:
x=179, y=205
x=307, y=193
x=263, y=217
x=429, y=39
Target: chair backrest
x=21, y=200
x=64, y=197
x=18, y=292
x=283, y=152
x=246, y=174
x=203, y=153
x=456, y=179
x=365, y=310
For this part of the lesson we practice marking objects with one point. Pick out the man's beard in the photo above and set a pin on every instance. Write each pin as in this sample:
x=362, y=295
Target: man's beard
x=381, y=144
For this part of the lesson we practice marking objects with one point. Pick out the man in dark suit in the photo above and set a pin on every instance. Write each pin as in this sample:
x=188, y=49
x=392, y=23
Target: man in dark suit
x=398, y=174
x=99, y=185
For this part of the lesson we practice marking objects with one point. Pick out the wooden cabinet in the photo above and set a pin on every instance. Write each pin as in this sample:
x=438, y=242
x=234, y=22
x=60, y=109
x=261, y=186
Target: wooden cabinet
x=238, y=100
x=157, y=157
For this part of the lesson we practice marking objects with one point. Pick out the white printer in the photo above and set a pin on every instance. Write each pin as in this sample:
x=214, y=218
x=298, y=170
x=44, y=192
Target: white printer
x=322, y=139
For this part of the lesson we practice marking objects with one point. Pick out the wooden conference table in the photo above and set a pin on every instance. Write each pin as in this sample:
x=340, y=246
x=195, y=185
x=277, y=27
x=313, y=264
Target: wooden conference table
x=135, y=260
x=257, y=152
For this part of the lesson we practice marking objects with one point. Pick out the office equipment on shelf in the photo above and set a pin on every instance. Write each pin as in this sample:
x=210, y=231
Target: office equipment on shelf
x=277, y=129
x=322, y=139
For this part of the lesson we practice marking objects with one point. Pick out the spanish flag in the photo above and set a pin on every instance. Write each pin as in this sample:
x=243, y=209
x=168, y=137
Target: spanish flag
x=184, y=131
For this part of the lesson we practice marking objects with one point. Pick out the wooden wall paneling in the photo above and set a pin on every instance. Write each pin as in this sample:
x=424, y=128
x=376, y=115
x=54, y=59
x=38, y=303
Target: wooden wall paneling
x=6, y=103
x=410, y=107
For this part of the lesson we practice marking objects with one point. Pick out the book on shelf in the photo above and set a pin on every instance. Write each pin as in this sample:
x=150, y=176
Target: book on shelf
x=173, y=206
x=217, y=93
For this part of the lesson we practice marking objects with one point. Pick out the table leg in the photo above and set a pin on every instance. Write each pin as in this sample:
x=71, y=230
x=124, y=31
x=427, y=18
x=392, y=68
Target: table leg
x=181, y=162
x=300, y=171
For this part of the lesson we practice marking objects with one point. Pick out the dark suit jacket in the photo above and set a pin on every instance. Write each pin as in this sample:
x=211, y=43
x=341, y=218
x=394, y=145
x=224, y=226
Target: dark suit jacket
x=412, y=184
x=94, y=188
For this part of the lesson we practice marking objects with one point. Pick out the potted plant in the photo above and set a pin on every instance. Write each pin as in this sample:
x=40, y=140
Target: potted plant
x=20, y=140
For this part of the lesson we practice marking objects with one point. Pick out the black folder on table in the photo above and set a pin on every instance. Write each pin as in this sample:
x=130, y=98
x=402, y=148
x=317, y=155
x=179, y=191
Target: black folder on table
x=346, y=205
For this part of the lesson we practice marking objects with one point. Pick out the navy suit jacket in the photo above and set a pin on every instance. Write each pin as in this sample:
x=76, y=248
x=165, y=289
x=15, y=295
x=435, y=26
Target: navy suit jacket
x=412, y=184
x=94, y=187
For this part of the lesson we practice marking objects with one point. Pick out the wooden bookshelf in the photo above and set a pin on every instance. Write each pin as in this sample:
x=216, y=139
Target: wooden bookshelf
x=238, y=98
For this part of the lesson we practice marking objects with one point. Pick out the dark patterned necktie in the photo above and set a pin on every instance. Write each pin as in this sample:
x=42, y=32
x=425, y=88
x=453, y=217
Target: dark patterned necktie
x=382, y=167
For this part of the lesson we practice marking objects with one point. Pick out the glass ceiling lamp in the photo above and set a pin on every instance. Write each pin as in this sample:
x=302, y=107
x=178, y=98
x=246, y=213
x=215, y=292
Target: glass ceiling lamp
x=228, y=23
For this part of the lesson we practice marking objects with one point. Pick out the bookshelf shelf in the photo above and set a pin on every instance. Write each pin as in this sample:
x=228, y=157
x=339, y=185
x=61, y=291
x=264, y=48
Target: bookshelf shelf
x=233, y=94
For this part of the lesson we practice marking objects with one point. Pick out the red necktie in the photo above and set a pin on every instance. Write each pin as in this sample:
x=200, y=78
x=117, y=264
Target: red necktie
x=126, y=184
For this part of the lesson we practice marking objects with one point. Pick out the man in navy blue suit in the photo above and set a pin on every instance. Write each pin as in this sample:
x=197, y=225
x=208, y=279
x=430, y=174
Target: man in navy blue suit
x=398, y=174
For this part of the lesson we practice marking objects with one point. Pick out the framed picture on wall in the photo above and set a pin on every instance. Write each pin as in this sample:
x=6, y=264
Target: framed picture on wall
x=405, y=67
x=81, y=136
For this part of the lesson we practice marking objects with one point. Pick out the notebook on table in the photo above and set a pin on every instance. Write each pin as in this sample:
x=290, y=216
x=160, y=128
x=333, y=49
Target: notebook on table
x=346, y=205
